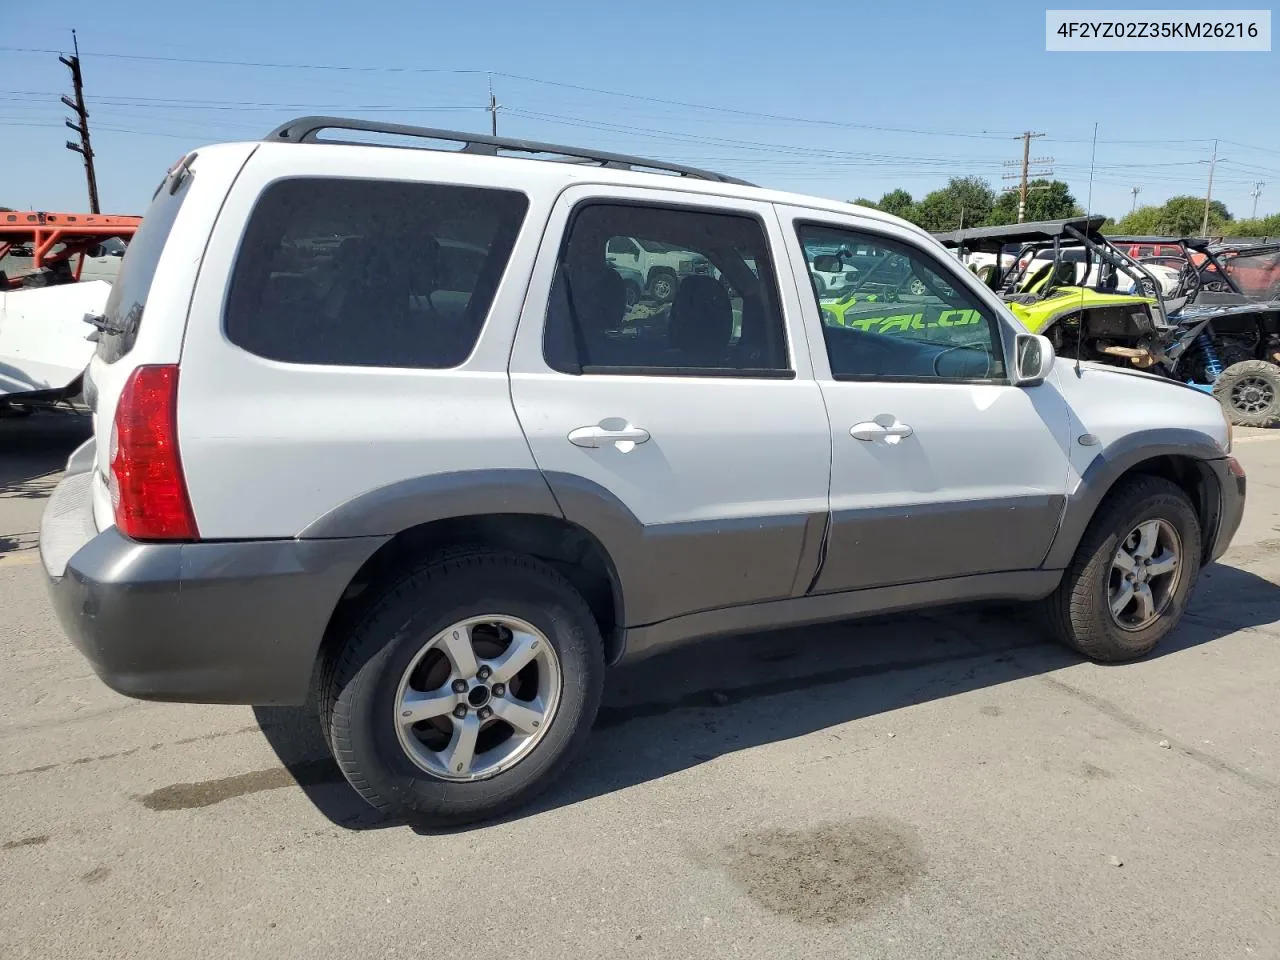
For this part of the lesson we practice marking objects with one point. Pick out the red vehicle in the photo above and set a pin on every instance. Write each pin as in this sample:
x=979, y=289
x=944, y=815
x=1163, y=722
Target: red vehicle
x=1140, y=248
x=1255, y=268
x=51, y=248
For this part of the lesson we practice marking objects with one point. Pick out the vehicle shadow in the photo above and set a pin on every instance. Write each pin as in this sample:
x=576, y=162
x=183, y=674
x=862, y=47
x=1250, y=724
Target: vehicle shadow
x=34, y=449
x=699, y=702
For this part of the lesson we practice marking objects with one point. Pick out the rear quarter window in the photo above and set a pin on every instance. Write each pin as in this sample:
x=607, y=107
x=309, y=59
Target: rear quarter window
x=122, y=316
x=370, y=273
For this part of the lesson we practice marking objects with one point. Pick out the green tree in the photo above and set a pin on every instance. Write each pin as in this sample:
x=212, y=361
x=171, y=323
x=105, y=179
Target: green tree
x=897, y=202
x=1185, y=215
x=1259, y=227
x=1051, y=201
x=941, y=210
x=863, y=202
x=1144, y=221
x=1178, y=217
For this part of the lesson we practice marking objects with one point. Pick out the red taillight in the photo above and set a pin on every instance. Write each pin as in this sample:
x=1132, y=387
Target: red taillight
x=148, y=491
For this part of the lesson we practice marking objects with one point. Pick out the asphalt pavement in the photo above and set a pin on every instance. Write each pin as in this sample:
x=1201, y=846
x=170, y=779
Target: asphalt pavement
x=946, y=785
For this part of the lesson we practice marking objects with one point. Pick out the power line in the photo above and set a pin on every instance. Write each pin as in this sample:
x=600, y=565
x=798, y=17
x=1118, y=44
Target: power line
x=527, y=79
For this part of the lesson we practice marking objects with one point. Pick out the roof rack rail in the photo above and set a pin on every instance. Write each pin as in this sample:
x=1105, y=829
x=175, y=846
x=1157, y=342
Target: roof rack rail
x=307, y=129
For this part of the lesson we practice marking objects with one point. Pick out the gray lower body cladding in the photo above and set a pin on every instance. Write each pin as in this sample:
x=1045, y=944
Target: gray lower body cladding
x=233, y=622
x=895, y=545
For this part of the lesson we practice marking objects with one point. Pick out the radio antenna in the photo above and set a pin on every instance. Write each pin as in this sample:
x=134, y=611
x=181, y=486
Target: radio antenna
x=1088, y=207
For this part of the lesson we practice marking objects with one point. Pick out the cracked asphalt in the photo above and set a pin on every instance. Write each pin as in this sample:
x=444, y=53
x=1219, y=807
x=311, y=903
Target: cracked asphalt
x=941, y=785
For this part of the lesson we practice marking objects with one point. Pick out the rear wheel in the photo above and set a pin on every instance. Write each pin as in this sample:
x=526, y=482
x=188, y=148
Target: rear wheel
x=1132, y=574
x=466, y=690
x=1250, y=393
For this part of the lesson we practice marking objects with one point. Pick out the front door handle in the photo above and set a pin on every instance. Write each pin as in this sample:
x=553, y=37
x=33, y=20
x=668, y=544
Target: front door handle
x=871, y=430
x=597, y=436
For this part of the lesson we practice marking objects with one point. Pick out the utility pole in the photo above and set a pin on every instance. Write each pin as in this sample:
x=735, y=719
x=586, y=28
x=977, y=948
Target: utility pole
x=1208, y=194
x=83, y=147
x=1135, y=191
x=1025, y=175
x=1257, y=192
x=493, y=110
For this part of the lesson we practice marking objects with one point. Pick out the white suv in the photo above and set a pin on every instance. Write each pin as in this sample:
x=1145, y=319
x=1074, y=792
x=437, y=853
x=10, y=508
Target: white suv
x=442, y=491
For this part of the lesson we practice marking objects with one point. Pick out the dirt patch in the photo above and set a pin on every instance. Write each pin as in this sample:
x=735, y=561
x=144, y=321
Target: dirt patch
x=26, y=842
x=1093, y=772
x=97, y=875
x=990, y=711
x=829, y=875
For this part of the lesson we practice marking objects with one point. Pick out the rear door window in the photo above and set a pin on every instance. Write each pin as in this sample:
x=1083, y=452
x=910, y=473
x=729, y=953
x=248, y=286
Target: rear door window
x=122, y=316
x=370, y=273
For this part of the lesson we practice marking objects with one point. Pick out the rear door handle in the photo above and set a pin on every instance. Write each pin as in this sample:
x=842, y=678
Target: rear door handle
x=597, y=436
x=870, y=430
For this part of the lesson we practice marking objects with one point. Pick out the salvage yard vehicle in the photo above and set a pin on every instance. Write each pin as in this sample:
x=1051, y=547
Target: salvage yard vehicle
x=442, y=511
x=658, y=263
x=38, y=248
x=1234, y=290
x=1221, y=341
x=55, y=268
x=1092, y=322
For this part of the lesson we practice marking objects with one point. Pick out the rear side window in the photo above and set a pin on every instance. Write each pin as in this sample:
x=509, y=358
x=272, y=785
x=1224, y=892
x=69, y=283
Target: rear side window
x=665, y=291
x=122, y=316
x=370, y=273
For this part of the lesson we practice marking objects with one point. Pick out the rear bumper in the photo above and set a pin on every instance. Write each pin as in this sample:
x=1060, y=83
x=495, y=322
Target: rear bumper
x=1231, y=486
x=232, y=622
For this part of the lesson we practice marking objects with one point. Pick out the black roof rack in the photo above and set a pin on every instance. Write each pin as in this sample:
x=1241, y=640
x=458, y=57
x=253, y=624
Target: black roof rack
x=1035, y=232
x=307, y=129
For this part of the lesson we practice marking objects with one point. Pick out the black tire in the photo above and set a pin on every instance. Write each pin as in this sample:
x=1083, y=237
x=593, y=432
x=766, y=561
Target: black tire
x=362, y=679
x=663, y=285
x=1250, y=393
x=1078, y=612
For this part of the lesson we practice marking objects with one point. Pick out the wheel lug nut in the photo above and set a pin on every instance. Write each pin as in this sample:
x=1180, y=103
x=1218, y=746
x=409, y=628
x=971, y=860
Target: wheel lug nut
x=459, y=711
x=459, y=686
x=485, y=713
x=483, y=673
x=499, y=689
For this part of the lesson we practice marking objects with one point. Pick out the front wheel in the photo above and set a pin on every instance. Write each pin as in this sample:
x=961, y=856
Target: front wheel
x=1132, y=574
x=662, y=286
x=466, y=690
x=1250, y=393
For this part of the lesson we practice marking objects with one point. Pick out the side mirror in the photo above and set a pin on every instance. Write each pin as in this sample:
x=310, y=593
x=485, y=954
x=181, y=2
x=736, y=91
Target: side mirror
x=1034, y=360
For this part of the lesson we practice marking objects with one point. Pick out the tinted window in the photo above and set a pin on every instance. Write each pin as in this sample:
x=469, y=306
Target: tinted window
x=370, y=273
x=122, y=316
x=903, y=315
x=702, y=300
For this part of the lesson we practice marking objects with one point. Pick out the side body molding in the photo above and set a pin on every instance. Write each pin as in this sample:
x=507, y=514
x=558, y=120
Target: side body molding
x=1112, y=462
x=659, y=571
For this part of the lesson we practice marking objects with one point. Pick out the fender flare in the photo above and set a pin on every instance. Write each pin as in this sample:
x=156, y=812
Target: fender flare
x=1120, y=458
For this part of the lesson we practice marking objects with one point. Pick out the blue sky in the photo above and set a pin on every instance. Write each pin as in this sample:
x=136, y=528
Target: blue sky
x=837, y=99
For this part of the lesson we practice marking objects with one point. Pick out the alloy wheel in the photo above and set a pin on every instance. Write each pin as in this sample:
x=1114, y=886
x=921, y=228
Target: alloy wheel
x=1144, y=574
x=477, y=698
